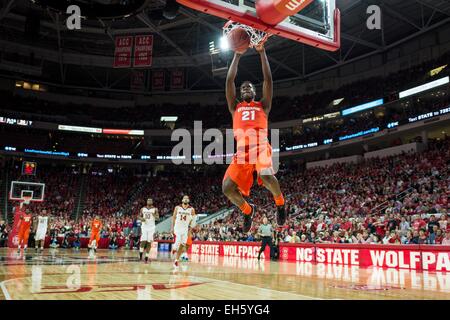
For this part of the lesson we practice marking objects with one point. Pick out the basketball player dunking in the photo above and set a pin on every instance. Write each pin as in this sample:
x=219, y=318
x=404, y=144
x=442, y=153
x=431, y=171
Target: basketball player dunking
x=148, y=215
x=183, y=219
x=250, y=119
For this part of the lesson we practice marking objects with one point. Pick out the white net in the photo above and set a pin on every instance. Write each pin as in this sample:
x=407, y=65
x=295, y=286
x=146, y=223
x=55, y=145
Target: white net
x=256, y=37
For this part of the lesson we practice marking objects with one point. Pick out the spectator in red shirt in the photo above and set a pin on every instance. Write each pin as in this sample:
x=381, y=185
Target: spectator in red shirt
x=418, y=223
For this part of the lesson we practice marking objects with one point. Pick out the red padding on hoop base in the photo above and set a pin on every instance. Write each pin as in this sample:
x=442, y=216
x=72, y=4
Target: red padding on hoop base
x=275, y=11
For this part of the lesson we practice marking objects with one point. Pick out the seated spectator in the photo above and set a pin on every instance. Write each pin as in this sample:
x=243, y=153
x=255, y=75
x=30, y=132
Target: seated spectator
x=65, y=244
x=446, y=240
x=295, y=238
x=374, y=239
x=76, y=244
x=287, y=237
x=443, y=222
x=346, y=238
x=418, y=223
x=404, y=226
x=433, y=233
x=414, y=238
x=113, y=244
x=439, y=237
x=54, y=242
x=423, y=239
x=432, y=223
x=394, y=237
x=387, y=237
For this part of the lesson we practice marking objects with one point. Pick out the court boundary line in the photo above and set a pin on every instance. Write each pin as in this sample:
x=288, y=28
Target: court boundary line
x=266, y=289
x=4, y=290
x=8, y=296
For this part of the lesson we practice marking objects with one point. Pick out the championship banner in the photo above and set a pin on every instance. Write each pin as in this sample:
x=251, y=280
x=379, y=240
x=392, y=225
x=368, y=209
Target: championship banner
x=413, y=257
x=177, y=79
x=228, y=249
x=13, y=240
x=123, y=52
x=137, y=82
x=158, y=80
x=143, y=51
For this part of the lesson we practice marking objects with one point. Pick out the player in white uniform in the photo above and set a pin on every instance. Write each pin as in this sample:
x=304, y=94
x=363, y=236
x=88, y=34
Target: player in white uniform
x=181, y=223
x=148, y=215
x=41, y=231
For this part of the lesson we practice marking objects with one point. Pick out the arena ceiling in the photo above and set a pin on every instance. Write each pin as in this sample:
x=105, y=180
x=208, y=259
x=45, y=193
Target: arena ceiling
x=84, y=57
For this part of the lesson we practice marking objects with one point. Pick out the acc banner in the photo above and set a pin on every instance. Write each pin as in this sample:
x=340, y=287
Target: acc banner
x=137, y=80
x=123, y=52
x=177, y=79
x=158, y=80
x=143, y=51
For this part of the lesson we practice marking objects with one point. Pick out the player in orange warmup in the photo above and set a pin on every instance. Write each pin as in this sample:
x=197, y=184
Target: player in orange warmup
x=184, y=256
x=24, y=227
x=96, y=227
x=254, y=153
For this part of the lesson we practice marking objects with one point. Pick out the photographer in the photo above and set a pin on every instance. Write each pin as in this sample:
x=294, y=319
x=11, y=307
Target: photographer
x=3, y=234
x=275, y=248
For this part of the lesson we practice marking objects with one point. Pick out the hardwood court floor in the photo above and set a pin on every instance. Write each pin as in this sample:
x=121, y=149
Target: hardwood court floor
x=67, y=274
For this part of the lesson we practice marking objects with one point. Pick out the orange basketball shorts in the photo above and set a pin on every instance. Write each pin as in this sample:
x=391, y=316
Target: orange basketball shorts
x=246, y=161
x=23, y=235
x=189, y=240
x=96, y=236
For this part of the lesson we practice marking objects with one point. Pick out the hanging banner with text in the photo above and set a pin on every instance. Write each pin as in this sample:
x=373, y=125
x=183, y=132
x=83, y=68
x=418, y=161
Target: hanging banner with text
x=177, y=79
x=434, y=258
x=414, y=257
x=137, y=82
x=158, y=80
x=143, y=51
x=123, y=52
x=229, y=249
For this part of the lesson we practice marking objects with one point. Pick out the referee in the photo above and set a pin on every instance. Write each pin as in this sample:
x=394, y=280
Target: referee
x=265, y=231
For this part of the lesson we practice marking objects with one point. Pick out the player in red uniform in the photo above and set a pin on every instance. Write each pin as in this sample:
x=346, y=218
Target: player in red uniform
x=24, y=227
x=250, y=130
x=96, y=227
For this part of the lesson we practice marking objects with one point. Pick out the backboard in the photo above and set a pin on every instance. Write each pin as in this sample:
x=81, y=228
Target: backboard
x=317, y=24
x=21, y=189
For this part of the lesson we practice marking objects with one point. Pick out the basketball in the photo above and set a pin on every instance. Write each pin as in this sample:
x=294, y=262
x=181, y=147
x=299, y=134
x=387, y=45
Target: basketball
x=224, y=150
x=238, y=40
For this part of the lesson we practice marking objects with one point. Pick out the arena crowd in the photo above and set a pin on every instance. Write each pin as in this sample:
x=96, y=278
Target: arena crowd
x=395, y=200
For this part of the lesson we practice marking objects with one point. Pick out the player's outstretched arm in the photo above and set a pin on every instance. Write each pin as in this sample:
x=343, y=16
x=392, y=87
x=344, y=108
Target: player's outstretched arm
x=268, y=82
x=230, y=85
x=174, y=217
x=156, y=214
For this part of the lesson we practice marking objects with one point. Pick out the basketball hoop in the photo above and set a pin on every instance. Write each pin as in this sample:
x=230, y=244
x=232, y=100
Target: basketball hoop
x=256, y=37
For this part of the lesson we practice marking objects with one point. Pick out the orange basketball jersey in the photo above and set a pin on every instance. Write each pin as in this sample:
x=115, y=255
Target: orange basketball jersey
x=96, y=226
x=26, y=221
x=249, y=119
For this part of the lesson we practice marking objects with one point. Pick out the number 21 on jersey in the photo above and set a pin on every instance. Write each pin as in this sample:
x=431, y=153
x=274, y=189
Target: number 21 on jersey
x=248, y=115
